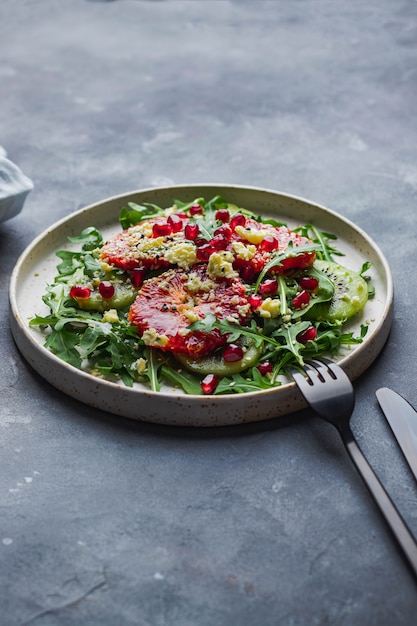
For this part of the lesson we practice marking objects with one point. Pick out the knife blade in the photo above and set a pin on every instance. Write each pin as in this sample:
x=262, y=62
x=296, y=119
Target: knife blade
x=402, y=418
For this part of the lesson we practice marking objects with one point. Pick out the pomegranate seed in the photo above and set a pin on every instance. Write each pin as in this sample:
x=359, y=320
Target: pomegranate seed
x=138, y=276
x=219, y=242
x=205, y=251
x=247, y=274
x=222, y=215
x=269, y=243
x=196, y=209
x=232, y=353
x=224, y=230
x=301, y=299
x=106, y=289
x=209, y=384
x=265, y=367
x=80, y=292
x=237, y=220
x=200, y=241
x=175, y=222
x=161, y=229
x=255, y=300
x=269, y=286
x=309, y=334
x=191, y=231
x=308, y=282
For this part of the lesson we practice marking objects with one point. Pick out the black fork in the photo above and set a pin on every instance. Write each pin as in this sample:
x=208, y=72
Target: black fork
x=329, y=392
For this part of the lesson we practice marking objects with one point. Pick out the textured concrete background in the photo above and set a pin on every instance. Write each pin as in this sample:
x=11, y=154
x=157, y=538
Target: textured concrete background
x=106, y=521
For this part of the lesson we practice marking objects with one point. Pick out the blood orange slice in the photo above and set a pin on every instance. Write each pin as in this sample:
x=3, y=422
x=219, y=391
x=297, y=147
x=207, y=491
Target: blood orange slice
x=152, y=244
x=166, y=305
x=254, y=254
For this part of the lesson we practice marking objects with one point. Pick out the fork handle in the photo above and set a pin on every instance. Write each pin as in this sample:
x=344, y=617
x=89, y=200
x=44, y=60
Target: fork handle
x=392, y=516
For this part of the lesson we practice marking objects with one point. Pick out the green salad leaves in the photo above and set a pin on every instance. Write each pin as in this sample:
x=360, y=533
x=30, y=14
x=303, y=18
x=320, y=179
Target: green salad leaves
x=92, y=331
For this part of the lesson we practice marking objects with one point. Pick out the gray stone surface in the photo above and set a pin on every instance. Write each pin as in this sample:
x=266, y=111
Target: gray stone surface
x=112, y=522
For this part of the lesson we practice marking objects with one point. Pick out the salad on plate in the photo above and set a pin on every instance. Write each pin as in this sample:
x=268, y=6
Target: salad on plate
x=204, y=295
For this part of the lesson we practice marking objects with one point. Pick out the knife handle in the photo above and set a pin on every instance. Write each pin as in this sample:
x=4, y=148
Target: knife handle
x=396, y=523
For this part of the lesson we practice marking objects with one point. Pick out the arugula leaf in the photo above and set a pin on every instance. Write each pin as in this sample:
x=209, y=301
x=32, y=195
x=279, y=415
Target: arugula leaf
x=238, y=384
x=270, y=220
x=233, y=330
x=71, y=261
x=365, y=267
x=277, y=259
x=207, y=223
x=218, y=202
x=288, y=334
x=153, y=366
x=64, y=345
x=182, y=378
x=90, y=238
x=323, y=293
x=94, y=336
x=184, y=206
x=135, y=213
x=56, y=298
x=321, y=238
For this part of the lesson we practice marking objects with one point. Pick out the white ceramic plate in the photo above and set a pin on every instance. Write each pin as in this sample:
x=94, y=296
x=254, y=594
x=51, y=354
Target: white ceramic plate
x=37, y=266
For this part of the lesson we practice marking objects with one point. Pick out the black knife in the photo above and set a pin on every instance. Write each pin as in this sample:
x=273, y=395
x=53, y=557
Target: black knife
x=402, y=418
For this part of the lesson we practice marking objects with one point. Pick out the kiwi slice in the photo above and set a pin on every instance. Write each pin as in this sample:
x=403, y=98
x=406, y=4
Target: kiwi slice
x=215, y=364
x=349, y=297
x=124, y=294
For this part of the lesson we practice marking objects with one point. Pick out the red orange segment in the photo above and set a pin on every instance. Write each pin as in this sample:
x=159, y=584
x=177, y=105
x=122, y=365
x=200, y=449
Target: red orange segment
x=166, y=305
x=144, y=245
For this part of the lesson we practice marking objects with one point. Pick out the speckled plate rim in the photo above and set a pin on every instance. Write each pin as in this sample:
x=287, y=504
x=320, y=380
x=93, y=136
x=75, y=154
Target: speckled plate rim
x=37, y=263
